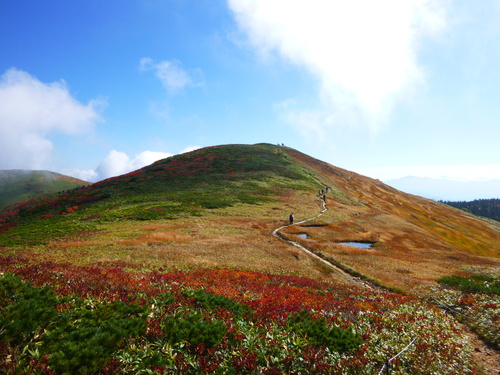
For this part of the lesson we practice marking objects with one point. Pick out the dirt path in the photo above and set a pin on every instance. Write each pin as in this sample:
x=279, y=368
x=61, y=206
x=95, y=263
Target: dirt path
x=485, y=357
x=330, y=265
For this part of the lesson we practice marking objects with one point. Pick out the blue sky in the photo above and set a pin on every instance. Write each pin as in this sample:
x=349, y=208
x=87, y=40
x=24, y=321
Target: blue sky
x=388, y=89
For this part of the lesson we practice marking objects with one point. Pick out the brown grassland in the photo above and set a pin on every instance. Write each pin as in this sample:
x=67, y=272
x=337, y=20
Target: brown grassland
x=234, y=237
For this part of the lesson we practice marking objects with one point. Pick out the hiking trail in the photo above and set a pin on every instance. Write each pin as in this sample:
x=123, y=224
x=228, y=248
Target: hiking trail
x=330, y=265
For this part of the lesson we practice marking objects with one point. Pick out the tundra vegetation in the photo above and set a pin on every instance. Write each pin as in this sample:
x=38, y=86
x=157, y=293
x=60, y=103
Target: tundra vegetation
x=173, y=269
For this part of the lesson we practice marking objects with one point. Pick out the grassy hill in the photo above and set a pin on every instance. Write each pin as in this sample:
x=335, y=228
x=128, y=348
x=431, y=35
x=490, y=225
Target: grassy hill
x=18, y=185
x=204, y=221
x=184, y=208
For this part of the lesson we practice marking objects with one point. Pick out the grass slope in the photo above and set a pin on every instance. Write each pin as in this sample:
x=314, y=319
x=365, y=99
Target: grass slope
x=178, y=187
x=18, y=185
x=415, y=240
x=203, y=220
x=217, y=207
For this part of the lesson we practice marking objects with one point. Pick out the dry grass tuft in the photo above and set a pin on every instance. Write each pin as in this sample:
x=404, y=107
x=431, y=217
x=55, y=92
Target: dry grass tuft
x=156, y=238
x=161, y=226
x=70, y=244
x=166, y=237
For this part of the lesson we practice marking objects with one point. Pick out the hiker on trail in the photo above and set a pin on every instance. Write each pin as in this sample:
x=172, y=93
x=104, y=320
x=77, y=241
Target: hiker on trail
x=291, y=218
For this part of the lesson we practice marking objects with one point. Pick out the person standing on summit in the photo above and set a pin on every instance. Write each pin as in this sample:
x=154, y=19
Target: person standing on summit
x=291, y=218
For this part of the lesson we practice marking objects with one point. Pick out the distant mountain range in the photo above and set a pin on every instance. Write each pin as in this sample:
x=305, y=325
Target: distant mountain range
x=17, y=184
x=448, y=190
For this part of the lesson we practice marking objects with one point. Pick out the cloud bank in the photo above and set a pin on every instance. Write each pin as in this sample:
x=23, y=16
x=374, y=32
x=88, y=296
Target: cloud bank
x=362, y=52
x=30, y=111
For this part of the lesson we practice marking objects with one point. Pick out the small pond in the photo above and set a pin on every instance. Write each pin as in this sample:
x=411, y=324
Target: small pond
x=303, y=235
x=362, y=245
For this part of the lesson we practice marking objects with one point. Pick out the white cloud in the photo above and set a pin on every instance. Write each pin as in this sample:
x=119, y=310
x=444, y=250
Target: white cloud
x=189, y=149
x=117, y=163
x=30, y=111
x=172, y=76
x=362, y=52
x=82, y=174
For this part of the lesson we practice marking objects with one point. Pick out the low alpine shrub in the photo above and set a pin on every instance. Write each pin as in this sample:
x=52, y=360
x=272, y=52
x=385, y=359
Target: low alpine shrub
x=317, y=333
x=192, y=327
x=212, y=301
x=474, y=284
x=80, y=339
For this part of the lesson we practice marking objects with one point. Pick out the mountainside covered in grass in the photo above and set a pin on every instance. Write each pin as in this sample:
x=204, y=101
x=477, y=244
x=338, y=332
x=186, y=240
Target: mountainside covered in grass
x=260, y=185
x=174, y=268
x=185, y=185
x=17, y=185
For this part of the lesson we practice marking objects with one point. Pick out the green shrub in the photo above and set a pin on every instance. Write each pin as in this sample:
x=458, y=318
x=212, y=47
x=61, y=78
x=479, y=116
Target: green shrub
x=78, y=340
x=25, y=310
x=215, y=202
x=213, y=301
x=192, y=327
x=482, y=278
x=474, y=284
x=88, y=337
x=317, y=333
x=165, y=298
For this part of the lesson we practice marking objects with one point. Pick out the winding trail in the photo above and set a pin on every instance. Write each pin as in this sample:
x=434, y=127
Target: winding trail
x=330, y=265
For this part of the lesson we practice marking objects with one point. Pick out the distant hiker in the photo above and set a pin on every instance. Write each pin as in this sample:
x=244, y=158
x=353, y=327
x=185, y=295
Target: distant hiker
x=291, y=218
x=324, y=198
